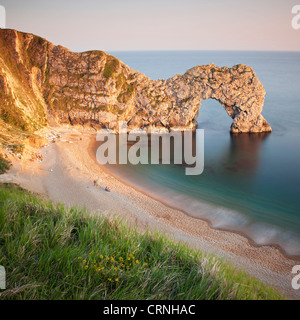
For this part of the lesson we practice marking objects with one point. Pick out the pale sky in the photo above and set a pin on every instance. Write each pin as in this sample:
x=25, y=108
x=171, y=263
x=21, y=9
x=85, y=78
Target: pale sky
x=116, y=25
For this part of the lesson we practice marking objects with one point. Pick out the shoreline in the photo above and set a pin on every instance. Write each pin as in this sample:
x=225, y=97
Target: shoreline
x=66, y=176
x=152, y=195
x=240, y=233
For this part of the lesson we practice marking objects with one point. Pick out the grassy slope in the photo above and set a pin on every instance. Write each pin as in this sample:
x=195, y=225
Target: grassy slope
x=51, y=252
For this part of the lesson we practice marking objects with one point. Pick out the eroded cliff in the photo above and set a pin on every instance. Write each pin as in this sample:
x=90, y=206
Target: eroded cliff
x=40, y=81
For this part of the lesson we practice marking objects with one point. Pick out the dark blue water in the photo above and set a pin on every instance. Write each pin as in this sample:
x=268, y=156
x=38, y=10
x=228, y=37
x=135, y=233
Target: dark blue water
x=251, y=183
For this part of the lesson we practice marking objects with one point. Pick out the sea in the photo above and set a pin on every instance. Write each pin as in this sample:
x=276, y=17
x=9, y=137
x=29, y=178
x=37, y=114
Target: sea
x=250, y=183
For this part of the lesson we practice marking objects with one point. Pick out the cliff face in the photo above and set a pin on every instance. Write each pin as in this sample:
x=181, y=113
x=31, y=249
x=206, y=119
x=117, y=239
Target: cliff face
x=39, y=80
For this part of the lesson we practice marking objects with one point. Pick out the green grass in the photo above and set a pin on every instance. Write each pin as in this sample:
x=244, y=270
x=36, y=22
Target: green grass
x=111, y=67
x=53, y=252
x=10, y=114
x=4, y=164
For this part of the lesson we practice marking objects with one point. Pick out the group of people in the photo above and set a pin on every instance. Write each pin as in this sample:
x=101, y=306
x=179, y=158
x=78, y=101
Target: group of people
x=96, y=184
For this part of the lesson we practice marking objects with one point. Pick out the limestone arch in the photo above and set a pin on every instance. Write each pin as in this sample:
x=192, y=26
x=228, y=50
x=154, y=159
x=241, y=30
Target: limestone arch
x=175, y=102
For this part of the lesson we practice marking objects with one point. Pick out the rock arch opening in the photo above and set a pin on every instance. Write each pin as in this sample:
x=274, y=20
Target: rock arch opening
x=220, y=121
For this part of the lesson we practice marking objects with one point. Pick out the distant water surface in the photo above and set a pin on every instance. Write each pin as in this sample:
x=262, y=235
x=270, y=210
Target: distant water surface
x=251, y=183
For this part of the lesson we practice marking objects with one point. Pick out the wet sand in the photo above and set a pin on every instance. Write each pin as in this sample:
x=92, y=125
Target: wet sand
x=67, y=173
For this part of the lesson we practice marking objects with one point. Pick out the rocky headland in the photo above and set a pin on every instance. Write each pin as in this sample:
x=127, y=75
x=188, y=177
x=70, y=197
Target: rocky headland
x=42, y=83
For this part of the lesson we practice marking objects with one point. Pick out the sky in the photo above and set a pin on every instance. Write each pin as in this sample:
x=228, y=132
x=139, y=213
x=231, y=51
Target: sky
x=129, y=25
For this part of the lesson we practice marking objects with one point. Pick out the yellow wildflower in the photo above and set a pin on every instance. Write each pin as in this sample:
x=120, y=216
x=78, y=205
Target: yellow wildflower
x=137, y=261
x=101, y=256
x=86, y=267
x=117, y=279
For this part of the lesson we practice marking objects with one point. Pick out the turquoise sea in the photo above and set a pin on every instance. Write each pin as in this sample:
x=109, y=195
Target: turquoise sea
x=251, y=183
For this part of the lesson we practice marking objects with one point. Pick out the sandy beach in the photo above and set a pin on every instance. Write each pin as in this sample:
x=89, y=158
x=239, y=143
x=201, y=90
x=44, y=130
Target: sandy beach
x=66, y=175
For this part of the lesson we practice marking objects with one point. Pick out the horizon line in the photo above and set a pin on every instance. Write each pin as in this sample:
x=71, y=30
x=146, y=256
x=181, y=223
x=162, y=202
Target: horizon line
x=172, y=50
x=156, y=50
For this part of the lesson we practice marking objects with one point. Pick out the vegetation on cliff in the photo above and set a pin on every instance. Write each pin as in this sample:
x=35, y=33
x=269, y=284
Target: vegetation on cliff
x=39, y=79
x=4, y=164
x=53, y=252
x=22, y=111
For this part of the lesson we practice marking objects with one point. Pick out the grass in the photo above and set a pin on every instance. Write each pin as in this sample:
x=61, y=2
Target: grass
x=10, y=114
x=53, y=252
x=111, y=67
x=127, y=92
x=4, y=164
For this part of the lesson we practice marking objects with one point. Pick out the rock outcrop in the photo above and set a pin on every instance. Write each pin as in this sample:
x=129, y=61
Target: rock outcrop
x=39, y=80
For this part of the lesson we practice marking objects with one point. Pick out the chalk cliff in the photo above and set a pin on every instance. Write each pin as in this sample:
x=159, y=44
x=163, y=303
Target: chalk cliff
x=40, y=81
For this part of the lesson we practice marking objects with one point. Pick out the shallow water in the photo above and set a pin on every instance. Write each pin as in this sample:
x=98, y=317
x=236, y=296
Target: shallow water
x=250, y=182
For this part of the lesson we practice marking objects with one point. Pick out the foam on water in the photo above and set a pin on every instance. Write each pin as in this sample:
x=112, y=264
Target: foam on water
x=218, y=217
